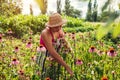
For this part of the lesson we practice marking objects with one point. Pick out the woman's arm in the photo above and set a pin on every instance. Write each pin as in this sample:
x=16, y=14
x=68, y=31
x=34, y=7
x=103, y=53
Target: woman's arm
x=48, y=43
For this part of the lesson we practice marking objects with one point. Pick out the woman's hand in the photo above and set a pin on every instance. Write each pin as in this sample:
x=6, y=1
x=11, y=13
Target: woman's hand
x=61, y=33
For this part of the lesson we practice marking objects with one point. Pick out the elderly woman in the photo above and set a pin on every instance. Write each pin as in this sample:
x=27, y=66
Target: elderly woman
x=49, y=35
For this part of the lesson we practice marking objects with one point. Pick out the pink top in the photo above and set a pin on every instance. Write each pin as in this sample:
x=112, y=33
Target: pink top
x=42, y=42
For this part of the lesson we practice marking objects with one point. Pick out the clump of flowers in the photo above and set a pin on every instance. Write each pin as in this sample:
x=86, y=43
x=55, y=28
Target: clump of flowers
x=21, y=75
x=73, y=36
x=21, y=72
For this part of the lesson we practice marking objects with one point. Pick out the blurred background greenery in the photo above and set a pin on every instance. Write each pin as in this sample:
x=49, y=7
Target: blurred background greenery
x=9, y=9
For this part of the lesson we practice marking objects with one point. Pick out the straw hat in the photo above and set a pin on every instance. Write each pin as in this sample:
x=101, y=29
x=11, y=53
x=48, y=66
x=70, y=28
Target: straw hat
x=55, y=20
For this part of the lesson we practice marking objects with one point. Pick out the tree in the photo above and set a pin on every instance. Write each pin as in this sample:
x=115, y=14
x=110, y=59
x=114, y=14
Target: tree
x=59, y=6
x=67, y=8
x=70, y=11
x=9, y=8
x=89, y=12
x=94, y=14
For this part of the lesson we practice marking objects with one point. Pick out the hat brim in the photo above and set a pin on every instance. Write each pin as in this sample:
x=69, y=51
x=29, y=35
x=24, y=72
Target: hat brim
x=55, y=25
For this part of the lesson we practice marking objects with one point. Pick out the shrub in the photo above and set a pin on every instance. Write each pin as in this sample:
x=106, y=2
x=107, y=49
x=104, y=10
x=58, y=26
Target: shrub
x=73, y=22
x=22, y=24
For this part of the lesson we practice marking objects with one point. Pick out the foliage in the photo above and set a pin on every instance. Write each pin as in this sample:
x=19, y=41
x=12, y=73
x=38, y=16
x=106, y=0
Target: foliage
x=108, y=28
x=21, y=24
x=21, y=64
x=10, y=8
x=105, y=16
x=80, y=26
x=102, y=31
x=79, y=29
x=73, y=22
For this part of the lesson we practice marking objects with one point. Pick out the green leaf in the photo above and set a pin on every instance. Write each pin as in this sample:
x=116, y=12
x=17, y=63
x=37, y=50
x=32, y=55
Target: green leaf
x=116, y=31
x=101, y=32
x=1, y=30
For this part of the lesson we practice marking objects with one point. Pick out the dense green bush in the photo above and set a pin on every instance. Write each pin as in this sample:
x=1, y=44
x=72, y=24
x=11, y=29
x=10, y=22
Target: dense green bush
x=79, y=25
x=74, y=22
x=22, y=24
x=78, y=29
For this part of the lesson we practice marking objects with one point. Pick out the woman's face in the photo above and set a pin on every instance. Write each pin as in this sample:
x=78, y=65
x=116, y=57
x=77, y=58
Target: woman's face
x=56, y=29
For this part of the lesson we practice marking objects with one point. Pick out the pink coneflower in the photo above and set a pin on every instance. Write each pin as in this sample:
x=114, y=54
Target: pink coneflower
x=15, y=61
x=79, y=62
x=92, y=49
x=41, y=49
x=111, y=52
x=29, y=45
x=16, y=49
x=47, y=78
x=9, y=31
x=104, y=78
x=0, y=39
